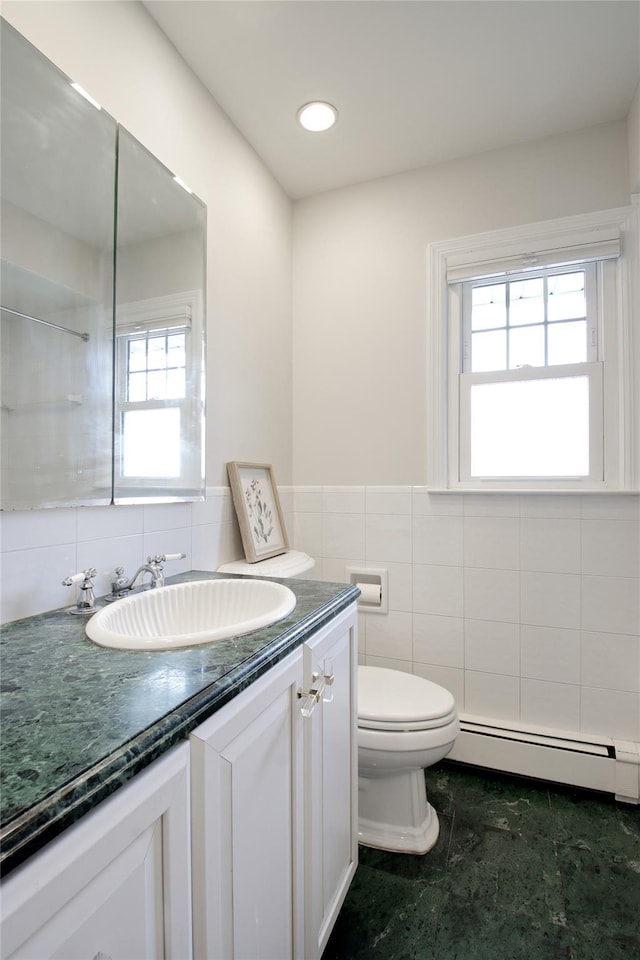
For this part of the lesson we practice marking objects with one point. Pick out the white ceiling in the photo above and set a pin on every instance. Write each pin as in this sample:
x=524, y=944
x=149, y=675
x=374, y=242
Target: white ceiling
x=416, y=82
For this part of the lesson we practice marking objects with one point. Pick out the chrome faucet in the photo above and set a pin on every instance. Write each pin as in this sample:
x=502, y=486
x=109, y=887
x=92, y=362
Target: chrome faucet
x=120, y=587
x=85, y=604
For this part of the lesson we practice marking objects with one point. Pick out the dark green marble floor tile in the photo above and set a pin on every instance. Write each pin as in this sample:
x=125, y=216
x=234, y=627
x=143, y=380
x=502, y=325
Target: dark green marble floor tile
x=472, y=865
x=383, y=916
x=521, y=871
x=602, y=947
x=598, y=824
x=529, y=881
x=628, y=816
x=601, y=896
x=412, y=936
x=501, y=803
x=441, y=784
x=469, y=931
x=505, y=871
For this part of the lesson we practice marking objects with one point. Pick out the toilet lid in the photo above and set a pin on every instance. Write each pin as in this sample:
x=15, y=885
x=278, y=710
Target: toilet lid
x=391, y=699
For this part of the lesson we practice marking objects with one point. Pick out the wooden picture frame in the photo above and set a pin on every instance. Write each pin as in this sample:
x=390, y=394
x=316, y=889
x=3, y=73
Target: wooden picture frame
x=257, y=506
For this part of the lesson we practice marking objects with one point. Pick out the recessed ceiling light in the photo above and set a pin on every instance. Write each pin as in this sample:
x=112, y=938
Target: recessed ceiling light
x=317, y=116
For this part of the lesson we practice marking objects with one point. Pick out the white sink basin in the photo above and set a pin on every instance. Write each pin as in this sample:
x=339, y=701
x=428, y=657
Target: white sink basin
x=186, y=614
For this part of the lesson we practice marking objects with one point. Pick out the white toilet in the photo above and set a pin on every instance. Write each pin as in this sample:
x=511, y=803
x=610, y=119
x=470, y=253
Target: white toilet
x=405, y=723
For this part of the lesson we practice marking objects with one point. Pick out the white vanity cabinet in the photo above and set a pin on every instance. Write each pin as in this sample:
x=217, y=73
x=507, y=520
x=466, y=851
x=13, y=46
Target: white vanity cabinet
x=330, y=780
x=116, y=886
x=274, y=793
x=239, y=844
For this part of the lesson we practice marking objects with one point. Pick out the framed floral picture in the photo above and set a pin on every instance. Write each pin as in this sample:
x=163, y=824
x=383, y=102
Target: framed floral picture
x=255, y=498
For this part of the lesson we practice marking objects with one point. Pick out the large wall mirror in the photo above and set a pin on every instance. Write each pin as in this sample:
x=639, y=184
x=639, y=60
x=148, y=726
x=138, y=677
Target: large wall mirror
x=103, y=298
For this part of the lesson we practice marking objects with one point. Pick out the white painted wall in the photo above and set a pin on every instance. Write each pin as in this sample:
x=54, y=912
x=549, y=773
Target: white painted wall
x=360, y=290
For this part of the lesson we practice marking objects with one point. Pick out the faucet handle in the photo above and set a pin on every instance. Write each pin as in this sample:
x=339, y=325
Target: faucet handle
x=80, y=577
x=163, y=557
x=117, y=583
x=86, y=599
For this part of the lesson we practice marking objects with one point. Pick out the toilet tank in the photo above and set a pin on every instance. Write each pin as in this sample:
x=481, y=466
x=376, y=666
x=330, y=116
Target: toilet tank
x=289, y=565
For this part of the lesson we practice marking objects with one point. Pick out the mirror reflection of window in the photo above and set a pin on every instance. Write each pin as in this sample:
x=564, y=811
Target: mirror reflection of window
x=151, y=444
x=156, y=398
x=155, y=370
x=156, y=366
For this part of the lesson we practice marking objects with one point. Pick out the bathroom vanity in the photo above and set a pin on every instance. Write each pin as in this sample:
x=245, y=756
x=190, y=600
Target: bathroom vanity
x=196, y=803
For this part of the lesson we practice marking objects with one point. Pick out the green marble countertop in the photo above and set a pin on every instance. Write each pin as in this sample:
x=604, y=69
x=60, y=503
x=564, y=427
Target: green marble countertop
x=79, y=720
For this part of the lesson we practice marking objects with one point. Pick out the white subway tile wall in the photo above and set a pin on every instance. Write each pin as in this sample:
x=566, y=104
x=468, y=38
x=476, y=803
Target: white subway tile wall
x=39, y=548
x=550, y=653
x=548, y=704
x=526, y=607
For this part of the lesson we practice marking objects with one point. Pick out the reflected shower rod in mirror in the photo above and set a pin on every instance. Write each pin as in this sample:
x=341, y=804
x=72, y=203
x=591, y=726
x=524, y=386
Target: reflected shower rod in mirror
x=47, y=323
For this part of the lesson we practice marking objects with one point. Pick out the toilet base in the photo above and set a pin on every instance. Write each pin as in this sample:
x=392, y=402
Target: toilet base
x=394, y=815
x=385, y=836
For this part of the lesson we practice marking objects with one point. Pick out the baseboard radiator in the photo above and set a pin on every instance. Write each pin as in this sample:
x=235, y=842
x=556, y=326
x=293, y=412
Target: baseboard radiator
x=597, y=763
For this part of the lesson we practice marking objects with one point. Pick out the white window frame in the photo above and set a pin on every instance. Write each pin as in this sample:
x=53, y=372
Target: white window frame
x=570, y=240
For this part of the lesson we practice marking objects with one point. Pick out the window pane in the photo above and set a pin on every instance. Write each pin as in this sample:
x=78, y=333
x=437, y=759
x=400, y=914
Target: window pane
x=175, y=350
x=175, y=384
x=157, y=353
x=488, y=307
x=489, y=351
x=151, y=443
x=530, y=428
x=137, y=387
x=137, y=354
x=567, y=343
x=526, y=347
x=566, y=297
x=526, y=301
x=157, y=385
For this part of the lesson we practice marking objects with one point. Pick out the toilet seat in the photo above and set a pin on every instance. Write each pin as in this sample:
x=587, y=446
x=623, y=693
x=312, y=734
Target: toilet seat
x=394, y=701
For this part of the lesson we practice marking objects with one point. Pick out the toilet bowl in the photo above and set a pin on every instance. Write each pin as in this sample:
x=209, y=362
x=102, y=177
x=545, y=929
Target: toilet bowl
x=405, y=723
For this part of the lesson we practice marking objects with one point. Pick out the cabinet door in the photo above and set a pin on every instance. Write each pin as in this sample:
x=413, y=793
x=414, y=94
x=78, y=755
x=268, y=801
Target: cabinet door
x=330, y=778
x=116, y=886
x=246, y=822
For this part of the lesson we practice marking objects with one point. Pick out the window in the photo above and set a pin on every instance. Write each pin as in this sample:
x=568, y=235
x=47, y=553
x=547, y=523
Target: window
x=531, y=362
x=538, y=320
x=154, y=371
x=528, y=394
x=158, y=399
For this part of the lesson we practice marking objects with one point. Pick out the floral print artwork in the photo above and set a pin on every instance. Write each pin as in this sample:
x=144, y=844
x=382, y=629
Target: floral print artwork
x=255, y=498
x=260, y=512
